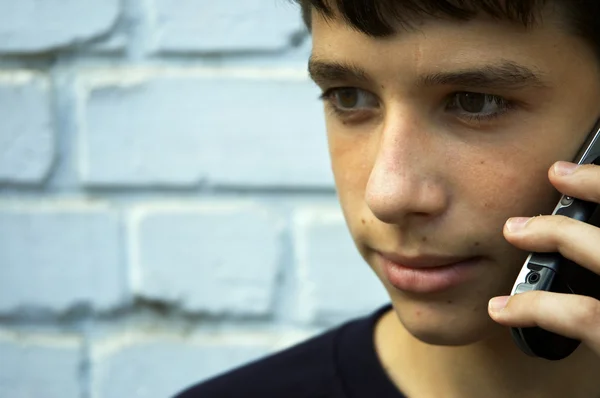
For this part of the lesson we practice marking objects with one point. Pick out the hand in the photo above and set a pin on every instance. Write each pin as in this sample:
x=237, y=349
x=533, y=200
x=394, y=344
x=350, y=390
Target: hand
x=570, y=315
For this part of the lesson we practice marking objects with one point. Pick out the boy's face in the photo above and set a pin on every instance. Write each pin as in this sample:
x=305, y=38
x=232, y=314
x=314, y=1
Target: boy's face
x=423, y=171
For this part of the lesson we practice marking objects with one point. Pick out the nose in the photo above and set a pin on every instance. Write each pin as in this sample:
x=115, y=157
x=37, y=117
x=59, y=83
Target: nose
x=407, y=179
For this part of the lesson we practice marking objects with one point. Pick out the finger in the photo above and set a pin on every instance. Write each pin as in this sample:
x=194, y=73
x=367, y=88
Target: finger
x=569, y=315
x=582, y=182
x=574, y=239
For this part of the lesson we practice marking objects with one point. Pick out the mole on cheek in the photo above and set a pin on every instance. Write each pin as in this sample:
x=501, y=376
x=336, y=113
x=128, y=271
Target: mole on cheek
x=424, y=239
x=363, y=221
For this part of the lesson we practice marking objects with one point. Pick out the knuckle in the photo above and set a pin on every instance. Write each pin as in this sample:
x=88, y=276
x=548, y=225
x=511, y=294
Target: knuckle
x=587, y=314
x=535, y=303
x=588, y=179
x=563, y=221
x=558, y=232
x=595, y=195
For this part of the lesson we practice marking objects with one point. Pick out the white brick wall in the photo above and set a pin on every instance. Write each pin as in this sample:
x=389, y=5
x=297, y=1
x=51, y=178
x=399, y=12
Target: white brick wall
x=39, y=366
x=217, y=26
x=28, y=26
x=167, y=209
x=181, y=127
x=226, y=256
x=157, y=365
x=60, y=255
x=26, y=128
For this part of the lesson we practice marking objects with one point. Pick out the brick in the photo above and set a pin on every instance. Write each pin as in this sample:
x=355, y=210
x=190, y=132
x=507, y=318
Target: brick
x=26, y=136
x=56, y=256
x=179, y=128
x=214, y=259
x=32, y=26
x=226, y=25
x=114, y=44
x=39, y=367
x=161, y=366
x=335, y=281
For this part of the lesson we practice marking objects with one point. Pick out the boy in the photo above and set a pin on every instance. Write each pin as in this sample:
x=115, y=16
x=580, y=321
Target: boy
x=445, y=119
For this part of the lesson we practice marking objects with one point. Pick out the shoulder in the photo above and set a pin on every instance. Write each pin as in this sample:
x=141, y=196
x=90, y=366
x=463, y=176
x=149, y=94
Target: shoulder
x=305, y=370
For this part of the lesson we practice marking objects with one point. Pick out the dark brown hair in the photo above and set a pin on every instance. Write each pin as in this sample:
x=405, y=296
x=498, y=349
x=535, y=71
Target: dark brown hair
x=377, y=18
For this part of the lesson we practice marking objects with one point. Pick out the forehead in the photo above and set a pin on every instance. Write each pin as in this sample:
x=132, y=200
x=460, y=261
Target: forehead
x=437, y=45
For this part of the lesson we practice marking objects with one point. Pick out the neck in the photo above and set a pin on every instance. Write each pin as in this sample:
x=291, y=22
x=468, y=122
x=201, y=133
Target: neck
x=492, y=368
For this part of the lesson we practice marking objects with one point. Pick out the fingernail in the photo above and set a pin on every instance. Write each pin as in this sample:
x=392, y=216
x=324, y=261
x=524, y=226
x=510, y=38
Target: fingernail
x=498, y=303
x=516, y=223
x=564, y=168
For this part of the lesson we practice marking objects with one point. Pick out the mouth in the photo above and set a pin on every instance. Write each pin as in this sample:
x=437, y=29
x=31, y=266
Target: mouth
x=427, y=274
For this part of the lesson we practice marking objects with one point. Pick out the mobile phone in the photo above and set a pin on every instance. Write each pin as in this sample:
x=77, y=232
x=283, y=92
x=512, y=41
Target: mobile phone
x=553, y=273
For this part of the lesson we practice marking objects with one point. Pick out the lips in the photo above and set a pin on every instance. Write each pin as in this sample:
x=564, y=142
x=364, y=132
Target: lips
x=422, y=261
x=426, y=273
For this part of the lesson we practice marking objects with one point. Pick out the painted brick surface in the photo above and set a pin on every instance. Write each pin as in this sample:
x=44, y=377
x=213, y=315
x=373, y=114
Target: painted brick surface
x=181, y=128
x=226, y=25
x=26, y=129
x=336, y=282
x=31, y=26
x=219, y=258
x=160, y=366
x=39, y=367
x=55, y=258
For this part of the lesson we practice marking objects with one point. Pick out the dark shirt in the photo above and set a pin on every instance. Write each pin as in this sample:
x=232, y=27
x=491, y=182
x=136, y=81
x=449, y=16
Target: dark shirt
x=341, y=363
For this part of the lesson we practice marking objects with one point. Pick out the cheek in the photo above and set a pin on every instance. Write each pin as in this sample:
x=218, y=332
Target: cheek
x=351, y=163
x=352, y=157
x=509, y=186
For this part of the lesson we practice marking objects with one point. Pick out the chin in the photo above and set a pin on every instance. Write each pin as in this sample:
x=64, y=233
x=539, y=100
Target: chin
x=446, y=324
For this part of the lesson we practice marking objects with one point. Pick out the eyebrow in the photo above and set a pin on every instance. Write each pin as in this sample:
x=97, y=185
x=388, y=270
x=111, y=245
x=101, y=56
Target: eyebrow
x=332, y=71
x=500, y=75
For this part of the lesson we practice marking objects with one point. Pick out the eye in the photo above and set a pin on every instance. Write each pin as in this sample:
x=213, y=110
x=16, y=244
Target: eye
x=349, y=100
x=478, y=106
x=347, y=97
x=473, y=102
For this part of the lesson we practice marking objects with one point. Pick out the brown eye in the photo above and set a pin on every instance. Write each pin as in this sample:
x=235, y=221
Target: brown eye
x=472, y=102
x=350, y=101
x=478, y=106
x=347, y=97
